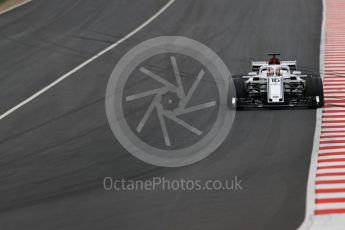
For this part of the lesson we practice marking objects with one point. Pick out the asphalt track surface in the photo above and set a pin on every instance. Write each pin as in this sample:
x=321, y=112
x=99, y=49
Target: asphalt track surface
x=56, y=150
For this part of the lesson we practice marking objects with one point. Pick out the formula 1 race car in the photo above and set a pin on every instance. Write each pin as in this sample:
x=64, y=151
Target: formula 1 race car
x=276, y=83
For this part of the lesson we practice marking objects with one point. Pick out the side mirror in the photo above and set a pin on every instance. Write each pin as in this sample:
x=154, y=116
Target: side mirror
x=296, y=72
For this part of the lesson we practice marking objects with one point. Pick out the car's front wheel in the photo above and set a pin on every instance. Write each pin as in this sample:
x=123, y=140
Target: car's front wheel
x=314, y=88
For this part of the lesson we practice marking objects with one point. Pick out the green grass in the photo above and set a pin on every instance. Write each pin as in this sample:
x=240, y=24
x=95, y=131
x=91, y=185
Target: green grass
x=2, y=1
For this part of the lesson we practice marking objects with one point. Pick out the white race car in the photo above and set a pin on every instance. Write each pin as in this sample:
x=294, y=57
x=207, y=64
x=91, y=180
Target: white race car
x=277, y=83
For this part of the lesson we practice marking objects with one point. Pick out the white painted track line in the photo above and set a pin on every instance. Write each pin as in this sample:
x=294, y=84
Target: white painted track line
x=310, y=204
x=14, y=7
x=82, y=65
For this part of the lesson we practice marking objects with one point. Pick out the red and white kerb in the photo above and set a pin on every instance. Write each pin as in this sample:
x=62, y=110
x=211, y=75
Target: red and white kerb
x=330, y=174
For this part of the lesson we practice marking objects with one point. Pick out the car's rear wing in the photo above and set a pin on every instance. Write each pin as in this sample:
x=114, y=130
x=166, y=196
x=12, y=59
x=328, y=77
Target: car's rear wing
x=257, y=64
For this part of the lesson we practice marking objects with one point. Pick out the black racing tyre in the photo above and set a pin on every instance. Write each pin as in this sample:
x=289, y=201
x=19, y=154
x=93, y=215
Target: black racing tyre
x=236, y=90
x=240, y=87
x=314, y=87
x=309, y=89
x=318, y=88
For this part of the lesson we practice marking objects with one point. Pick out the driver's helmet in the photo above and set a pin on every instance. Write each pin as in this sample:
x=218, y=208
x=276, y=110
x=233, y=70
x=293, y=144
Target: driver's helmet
x=278, y=71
